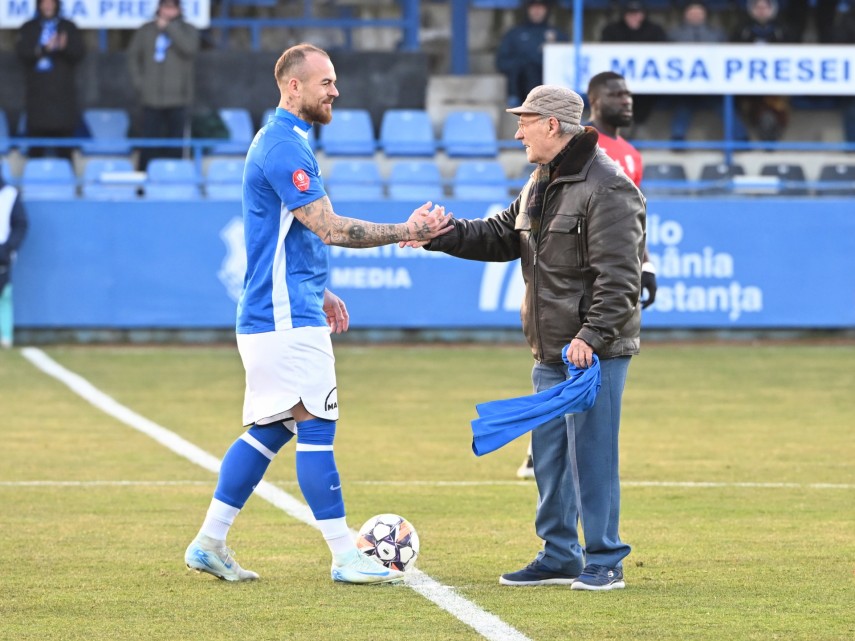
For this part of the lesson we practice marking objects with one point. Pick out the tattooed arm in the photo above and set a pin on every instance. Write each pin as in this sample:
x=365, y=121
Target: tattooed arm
x=423, y=224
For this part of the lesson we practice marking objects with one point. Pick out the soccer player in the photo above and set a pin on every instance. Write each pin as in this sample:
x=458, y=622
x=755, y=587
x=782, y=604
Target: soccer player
x=610, y=109
x=284, y=320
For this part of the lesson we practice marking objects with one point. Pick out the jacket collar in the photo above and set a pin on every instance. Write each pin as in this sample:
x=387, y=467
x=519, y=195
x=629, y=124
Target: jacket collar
x=580, y=151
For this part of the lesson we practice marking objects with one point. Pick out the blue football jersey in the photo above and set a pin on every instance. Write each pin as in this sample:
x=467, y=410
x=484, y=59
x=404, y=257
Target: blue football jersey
x=287, y=265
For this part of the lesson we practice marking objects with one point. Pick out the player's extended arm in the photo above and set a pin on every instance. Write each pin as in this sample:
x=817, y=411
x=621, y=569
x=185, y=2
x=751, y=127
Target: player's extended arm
x=423, y=224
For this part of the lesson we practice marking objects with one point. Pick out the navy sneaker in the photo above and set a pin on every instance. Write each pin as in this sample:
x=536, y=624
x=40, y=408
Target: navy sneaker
x=599, y=577
x=535, y=573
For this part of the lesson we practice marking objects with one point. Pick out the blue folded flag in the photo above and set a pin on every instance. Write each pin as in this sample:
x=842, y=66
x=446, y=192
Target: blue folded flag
x=500, y=422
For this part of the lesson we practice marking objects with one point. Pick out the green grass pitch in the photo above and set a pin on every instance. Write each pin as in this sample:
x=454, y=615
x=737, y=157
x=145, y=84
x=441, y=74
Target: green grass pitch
x=96, y=516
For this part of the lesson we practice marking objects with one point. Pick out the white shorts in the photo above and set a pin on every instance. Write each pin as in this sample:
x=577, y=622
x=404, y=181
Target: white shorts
x=284, y=368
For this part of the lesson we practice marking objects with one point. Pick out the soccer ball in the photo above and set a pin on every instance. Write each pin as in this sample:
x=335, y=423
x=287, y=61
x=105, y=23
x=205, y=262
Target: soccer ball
x=390, y=538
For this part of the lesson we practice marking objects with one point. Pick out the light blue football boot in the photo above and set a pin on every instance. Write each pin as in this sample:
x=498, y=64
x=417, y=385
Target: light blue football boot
x=359, y=568
x=205, y=554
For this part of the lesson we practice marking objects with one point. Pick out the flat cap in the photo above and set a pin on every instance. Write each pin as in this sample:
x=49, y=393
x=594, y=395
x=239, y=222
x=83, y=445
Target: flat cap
x=551, y=100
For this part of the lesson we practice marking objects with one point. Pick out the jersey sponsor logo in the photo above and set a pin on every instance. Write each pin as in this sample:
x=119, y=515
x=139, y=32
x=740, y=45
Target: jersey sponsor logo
x=301, y=180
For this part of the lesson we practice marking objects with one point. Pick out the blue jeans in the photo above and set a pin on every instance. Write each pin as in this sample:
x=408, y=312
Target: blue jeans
x=576, y=470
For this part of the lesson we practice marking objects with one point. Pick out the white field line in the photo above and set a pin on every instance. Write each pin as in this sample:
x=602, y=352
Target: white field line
x=487, y=625
x=677, y=484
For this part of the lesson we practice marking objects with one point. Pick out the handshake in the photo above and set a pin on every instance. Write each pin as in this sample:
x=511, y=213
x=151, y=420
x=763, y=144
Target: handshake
x=425, y=224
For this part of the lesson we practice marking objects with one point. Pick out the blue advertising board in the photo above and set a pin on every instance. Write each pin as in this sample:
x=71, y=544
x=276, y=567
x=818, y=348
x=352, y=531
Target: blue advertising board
x=726, y=263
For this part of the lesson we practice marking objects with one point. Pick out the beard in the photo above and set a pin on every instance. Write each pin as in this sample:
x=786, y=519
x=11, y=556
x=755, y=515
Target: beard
x=317, y=113
x=617, y=119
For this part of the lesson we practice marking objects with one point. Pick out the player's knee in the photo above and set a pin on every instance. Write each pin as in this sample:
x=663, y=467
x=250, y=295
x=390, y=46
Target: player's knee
x=274, y=435
x=316, y=431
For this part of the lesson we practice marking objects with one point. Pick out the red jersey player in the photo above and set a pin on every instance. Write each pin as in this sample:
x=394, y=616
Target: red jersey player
x=611, y=108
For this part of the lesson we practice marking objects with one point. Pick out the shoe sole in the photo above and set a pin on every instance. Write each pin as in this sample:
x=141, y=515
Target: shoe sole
x=617, y=585
x=204, y=570
x=394, y=581
x=504, y=581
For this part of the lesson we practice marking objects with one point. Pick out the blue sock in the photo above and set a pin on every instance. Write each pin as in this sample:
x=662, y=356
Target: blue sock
x=316, y=470
x=246, y=462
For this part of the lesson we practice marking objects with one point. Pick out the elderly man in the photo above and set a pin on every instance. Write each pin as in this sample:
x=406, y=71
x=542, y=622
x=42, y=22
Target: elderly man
x=578, y=226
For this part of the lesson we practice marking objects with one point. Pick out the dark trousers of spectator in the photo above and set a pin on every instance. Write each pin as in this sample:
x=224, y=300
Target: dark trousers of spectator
x=526, y=78
x=167, y=122
x=50, y=152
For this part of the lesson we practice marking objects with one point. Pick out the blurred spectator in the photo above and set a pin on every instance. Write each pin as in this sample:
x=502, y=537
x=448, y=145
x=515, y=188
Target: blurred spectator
x=844, y=33
x=50, y=48
x=766, y=115
x=634, y=26
x=797, y=15
x=695, y=28
x=160, y=58
x=13, y=228
x=520, y=54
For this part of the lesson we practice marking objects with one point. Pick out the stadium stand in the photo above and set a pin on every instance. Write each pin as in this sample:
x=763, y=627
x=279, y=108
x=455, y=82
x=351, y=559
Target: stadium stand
x=418, y=180
x=171, y=180
x=241, y=132
x=481, y=181
x=350, y=133
x=791, y=178
x=109, y=131
x=109, y=179
x=469, y=133
x=224, y=179
x=407, y=132
x=837, y=173
x=355, y=180
x=718, y=178
x=48, y=179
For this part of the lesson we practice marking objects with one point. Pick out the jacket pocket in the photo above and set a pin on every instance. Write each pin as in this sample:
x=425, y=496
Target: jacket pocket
x=564, y=241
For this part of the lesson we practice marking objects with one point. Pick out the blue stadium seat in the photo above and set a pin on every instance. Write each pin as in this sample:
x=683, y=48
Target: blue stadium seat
x=664, y=178
x=719, y=177
x=494, y=4
x=355, y=180
x=481, y=181
x=349, y=134
x=6, y=172
x=241, y=131
x=170, y=179
x=791, y=177
x=4, y=133
x=48, y=179
x=109, y=130
x=224, y=180
x=469, y=133
x=418, y=180
x=840, y=173
x=109, y=179
x=407, y=132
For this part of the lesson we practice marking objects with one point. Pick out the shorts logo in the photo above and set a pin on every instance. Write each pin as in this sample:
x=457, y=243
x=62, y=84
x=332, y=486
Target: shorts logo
x=301, y=180
x=331, y=403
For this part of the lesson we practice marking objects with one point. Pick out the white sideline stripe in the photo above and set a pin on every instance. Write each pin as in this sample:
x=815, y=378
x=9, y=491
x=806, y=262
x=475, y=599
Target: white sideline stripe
x=487, y=625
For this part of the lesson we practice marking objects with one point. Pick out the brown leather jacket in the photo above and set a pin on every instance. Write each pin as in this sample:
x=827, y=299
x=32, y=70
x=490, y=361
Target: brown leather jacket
x=583, y=273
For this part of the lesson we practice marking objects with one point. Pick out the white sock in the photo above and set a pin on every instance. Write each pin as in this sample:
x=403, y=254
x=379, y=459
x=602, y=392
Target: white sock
x=218, y=520
x=338, y=537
